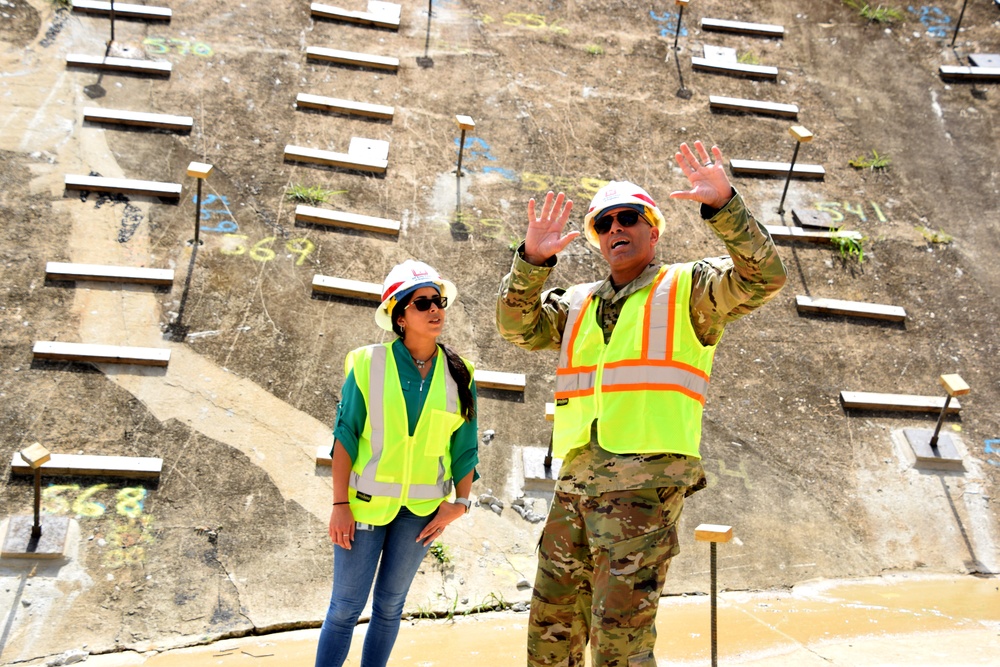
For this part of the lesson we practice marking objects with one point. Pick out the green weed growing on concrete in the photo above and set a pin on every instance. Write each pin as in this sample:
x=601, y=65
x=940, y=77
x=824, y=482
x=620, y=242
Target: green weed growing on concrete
x=441, y=553
x=877, y=160
x=935, y=236
x=423, y=611
x=748, y=58
x=454, y=607
x=849, y=245
x=875, y=14
x=310, y=195
x=493, y=602
x=595, y=50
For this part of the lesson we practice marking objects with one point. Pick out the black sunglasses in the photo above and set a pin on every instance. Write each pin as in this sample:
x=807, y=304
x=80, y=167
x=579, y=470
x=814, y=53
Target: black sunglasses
x=423, y=304
x=626, y=218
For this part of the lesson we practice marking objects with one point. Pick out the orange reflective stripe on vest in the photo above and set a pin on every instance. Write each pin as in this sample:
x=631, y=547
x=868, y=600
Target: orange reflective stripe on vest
x=628, y=376
x=653, y=362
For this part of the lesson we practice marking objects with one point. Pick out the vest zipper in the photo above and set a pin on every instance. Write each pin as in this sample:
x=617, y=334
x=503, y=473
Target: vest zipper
x=408, y=469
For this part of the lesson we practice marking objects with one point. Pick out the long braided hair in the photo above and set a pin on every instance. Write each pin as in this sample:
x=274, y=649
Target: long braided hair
x=459, y=371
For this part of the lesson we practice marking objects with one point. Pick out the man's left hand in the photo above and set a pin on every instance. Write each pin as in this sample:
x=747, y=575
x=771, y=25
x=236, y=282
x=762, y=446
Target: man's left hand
x=707, y=175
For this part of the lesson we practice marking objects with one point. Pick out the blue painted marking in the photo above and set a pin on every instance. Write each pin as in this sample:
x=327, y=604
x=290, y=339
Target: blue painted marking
x=475, y=152
x=476, y=148
x=508, y=174
x=227, y=225
x=934, y=19
x=669, y=21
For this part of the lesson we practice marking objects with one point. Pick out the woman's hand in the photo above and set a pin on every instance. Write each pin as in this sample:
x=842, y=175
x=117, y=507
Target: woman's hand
x=342, y=526
x=446, y=513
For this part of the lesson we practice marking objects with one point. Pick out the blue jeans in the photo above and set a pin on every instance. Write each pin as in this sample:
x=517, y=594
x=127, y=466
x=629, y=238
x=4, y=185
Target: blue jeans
x=394, y=549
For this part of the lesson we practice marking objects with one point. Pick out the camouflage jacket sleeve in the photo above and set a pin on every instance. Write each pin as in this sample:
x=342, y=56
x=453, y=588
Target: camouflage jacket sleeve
x=527, y=316
x=725, y=289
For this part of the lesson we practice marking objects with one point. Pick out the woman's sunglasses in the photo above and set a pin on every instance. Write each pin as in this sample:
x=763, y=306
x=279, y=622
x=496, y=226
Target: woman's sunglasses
x=423, y=304
x=626, y=218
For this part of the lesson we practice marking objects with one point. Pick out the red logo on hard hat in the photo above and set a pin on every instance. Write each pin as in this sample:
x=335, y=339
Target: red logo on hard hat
x=392, y=288
x=645, y=198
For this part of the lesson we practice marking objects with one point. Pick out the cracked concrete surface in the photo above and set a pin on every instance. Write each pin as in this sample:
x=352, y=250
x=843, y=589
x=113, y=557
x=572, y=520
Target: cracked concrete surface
x=196, y=392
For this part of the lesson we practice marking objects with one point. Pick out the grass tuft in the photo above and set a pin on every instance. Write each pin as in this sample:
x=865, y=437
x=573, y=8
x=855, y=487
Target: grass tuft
x=876, y=161
x=848, y=246
x=441, y=553
x=935, y=236
x=875, y=14
x=310, y=195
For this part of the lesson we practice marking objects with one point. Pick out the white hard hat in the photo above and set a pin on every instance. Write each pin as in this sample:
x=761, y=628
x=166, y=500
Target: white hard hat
x=621, y=194
x=405, y=278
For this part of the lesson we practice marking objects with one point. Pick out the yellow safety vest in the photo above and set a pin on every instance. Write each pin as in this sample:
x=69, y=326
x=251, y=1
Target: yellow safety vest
x=394, y=469
x=646, y=388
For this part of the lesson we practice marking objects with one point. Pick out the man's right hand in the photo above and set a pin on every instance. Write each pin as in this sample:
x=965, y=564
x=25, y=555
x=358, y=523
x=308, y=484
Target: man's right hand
x=545, y=232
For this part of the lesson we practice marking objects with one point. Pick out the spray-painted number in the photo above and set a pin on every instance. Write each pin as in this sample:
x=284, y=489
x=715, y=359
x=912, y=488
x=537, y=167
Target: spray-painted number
x=127, y=543
x=584, y=187
x=668, y=21
x=837, y=210
x=475, y=149
x=740, y=473
x=181, y=46
x=223, y=217
x=488, y=228
x=261, y=250
x=937, y=22
x=69, y=499
x=530, y=21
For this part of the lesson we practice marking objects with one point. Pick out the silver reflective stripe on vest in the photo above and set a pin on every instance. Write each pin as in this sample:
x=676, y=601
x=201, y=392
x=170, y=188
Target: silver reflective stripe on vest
x=578, y=296
x=659, y=315
x=450, y=387
x=653, y=376
x=366, y=482
x=575, y=382
x=432, y=491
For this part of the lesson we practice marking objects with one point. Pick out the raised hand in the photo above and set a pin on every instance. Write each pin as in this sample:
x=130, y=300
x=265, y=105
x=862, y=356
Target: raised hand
x=545, y=236
x=709, y=182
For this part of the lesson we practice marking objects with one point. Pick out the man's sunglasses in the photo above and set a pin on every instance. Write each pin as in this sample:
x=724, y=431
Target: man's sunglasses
x=626, y=218
x=423, y=304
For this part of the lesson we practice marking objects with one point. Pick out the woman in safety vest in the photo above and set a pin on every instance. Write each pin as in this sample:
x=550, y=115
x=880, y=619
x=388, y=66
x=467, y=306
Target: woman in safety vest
x=406, y=437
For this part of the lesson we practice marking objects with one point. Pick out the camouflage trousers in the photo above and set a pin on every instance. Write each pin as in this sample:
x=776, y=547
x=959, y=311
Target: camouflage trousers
x=602, y=564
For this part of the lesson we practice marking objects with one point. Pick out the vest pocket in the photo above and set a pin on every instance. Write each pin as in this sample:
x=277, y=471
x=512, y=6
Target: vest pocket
x=637, y=570
x=442, y=425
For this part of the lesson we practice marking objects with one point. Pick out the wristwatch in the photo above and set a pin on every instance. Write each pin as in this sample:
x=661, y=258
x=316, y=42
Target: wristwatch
x=464, y=502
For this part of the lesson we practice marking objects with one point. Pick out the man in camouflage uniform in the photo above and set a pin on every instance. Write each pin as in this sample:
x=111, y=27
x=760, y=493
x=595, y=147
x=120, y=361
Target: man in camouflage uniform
x=611, y=530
